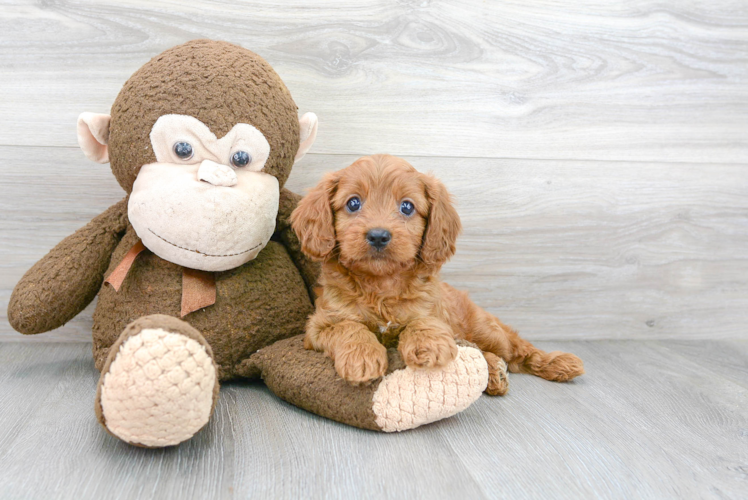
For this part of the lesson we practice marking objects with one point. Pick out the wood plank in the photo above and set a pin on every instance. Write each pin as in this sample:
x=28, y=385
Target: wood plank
x=560, y=250
x=284, y=452
x=728, y=358
x=642, y=423
x=60, y=450
x=640, y=80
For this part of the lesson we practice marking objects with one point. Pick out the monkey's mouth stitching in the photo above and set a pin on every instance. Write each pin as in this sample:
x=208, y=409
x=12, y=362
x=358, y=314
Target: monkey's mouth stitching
x=198, y=251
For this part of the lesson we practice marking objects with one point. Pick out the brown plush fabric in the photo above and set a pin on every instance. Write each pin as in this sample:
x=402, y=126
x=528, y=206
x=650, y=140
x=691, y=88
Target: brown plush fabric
x=218, y=83
x=257, y=303
x=308, y=268
x=66, y=280
x=154, y=321
x=307, y=379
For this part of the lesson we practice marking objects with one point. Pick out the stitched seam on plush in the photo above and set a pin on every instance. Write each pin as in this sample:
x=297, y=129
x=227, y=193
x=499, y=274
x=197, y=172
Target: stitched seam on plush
x=203, y=253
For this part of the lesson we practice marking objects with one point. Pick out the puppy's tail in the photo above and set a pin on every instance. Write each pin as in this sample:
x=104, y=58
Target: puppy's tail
x=526, y=358
x=493, y=336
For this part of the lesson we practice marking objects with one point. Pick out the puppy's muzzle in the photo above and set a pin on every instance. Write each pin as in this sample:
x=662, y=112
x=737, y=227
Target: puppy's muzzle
x=378, y=238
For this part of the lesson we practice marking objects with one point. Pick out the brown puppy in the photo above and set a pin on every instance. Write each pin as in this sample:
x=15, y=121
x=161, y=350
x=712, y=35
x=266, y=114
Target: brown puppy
x=383, y=230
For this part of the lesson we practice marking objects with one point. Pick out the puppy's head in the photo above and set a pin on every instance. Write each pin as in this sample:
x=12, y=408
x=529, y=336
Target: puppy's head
x=378, y=216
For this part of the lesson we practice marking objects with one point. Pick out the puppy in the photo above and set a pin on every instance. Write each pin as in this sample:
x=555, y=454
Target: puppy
x=382, y=231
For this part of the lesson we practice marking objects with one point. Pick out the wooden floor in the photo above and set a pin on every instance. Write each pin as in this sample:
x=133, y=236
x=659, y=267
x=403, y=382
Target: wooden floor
x=598, y=153
x=651, y=419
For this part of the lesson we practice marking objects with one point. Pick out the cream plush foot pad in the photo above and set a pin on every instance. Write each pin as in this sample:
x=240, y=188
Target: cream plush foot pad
x=159, y=389
x=409, y=398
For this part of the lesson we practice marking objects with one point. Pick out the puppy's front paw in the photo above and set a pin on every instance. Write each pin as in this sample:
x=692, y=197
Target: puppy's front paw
x=360, y=363
x=427, y=348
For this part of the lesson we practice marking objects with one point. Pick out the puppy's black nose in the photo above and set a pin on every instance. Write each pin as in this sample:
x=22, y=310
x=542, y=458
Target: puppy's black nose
x=378, y=238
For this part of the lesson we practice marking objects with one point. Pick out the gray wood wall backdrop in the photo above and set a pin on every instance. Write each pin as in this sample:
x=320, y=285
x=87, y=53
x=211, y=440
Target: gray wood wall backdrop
x=598, y=150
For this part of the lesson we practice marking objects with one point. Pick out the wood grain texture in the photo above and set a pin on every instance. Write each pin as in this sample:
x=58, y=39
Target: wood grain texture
x=597, y=150
x=646, y=421
x=558, y=249
x=596, y=79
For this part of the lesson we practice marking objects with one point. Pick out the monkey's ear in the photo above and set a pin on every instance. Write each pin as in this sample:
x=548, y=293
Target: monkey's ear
x=93, y=136
x=307, y=133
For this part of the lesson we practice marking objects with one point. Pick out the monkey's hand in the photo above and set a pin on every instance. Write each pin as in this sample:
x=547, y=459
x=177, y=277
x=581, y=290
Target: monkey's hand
x=308, y=268
x=67, y=279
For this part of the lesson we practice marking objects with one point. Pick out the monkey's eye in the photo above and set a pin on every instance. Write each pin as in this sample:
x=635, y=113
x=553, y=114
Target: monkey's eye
x=354, y=204
x=183, y=150
x=407, y=208
x=241, y=159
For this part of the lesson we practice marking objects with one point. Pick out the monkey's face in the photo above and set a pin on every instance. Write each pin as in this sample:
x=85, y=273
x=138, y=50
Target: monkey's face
x=196, y=200
x=205, y=203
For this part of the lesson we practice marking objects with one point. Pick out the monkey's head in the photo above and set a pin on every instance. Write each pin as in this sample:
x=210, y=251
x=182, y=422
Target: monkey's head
x=202, y=137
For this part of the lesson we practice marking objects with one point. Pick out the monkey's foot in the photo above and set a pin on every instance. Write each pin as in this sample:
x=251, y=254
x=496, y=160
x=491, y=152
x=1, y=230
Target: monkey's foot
x=159, y=384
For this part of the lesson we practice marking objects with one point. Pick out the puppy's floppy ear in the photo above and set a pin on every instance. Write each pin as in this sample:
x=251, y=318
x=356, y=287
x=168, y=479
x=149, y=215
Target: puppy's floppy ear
x=442, y=225
x=313, y=221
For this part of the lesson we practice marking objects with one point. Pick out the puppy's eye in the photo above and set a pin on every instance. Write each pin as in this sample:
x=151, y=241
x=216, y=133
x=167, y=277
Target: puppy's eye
x=183, y=150
x=241, y=159
x=353, y=205
x=407, y=208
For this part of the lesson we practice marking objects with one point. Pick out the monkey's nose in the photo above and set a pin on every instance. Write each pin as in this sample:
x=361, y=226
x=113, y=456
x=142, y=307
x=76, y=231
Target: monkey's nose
x=216, y=174
x=378, y=238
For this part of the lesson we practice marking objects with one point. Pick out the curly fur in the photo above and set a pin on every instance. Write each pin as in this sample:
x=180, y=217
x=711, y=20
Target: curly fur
x=375, y=299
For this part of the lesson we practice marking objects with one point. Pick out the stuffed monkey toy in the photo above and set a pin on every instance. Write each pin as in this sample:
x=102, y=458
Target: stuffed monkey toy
x=199, y=275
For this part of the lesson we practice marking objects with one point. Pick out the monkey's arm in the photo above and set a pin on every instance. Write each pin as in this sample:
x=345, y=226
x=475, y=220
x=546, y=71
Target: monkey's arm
x=308, y=268
x=67, y=279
